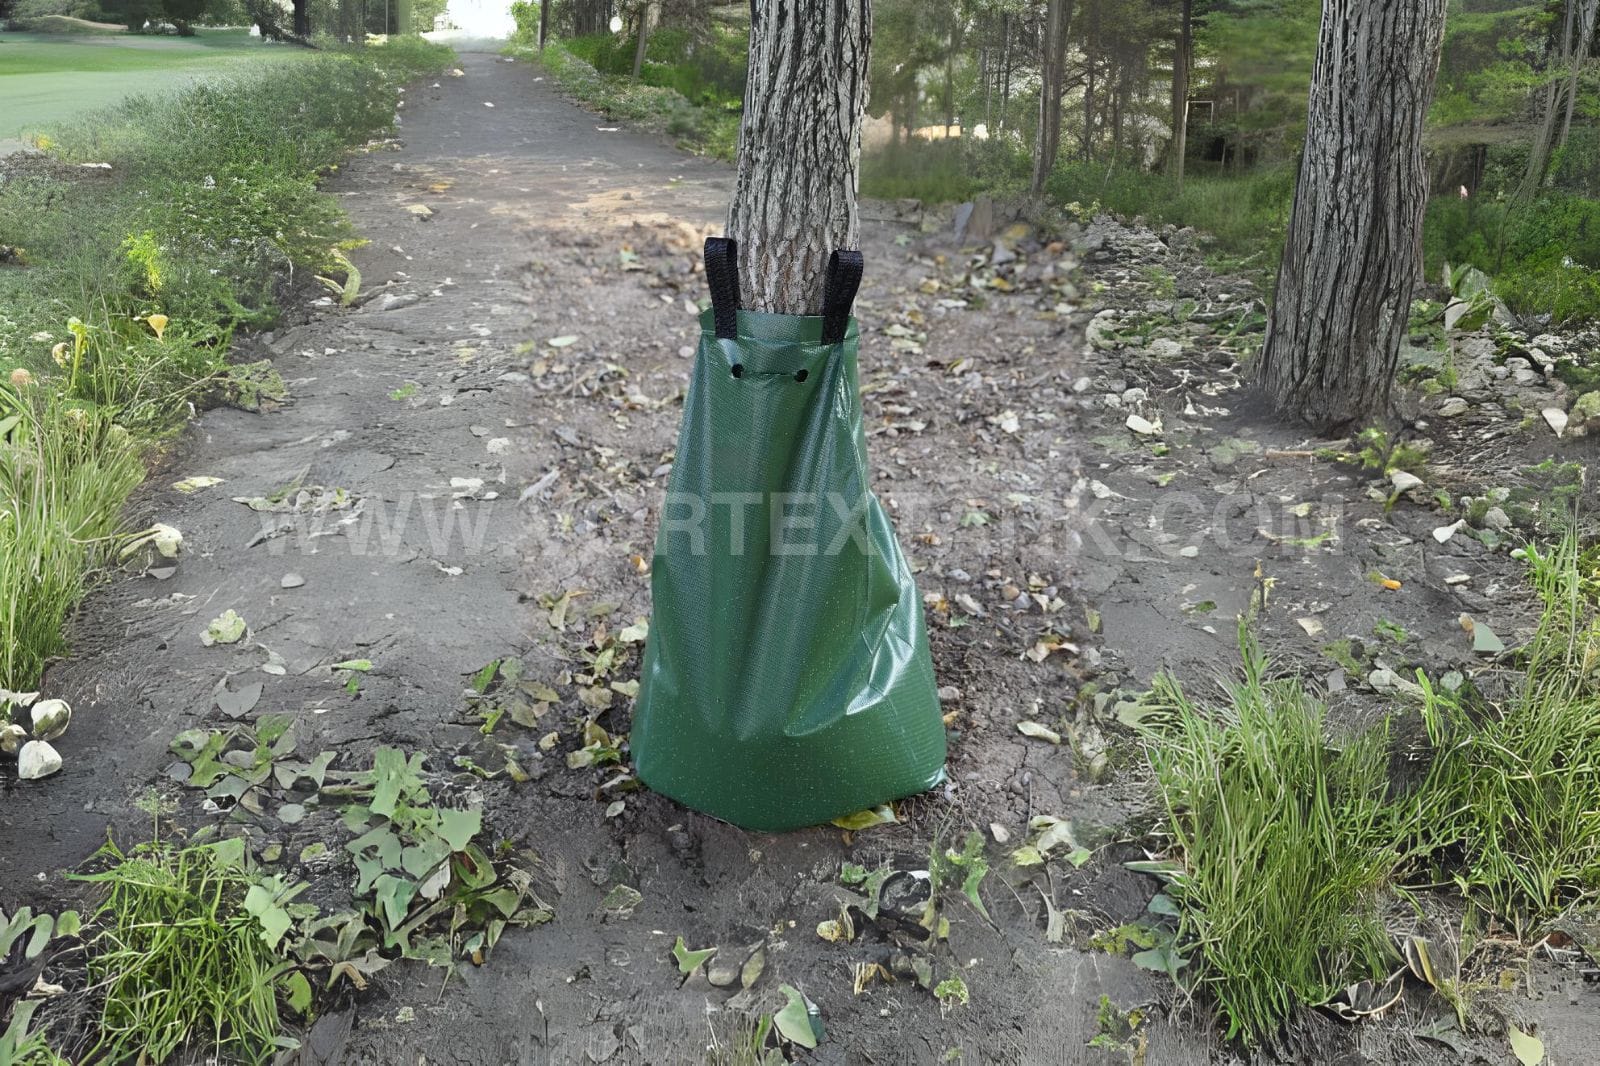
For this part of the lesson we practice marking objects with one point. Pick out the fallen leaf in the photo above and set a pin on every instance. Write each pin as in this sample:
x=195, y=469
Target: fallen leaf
x=794, y=1020
x=1029, y=728
x=882, y=815
x=229, y=628
x=194, y=484
x=1528, y=1048
x=689, y=961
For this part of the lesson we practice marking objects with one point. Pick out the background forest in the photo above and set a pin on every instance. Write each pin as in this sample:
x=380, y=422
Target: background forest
x=1513, y=148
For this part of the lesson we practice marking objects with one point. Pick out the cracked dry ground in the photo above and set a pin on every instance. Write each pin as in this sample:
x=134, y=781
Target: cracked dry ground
x=504, y=484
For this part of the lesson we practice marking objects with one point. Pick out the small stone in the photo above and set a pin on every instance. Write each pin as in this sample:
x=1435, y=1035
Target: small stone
x=1496, y=518
x=1404, y=480
x=12, y=736
x=1584, y=418
x=292, y=581
x=1141, y=426
x=391, y=301
x=37, y=759
x=949, y=694
x=50, y=718
x=723, y=973
x=1444, y=533
x=1000, y=833
x=1135, y=396
x=1556, y=418
x=1526, y=378
x=1164, y=348
x=1454, y=407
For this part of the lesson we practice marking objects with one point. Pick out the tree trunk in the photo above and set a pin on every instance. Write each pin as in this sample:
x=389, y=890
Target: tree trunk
x=1053, y=76
x=302, y=20
x=1005, y=63
x=1183, y=56
x=1344, y=286
x=794, y=201
x=644, y=40
x=1544, y=140
x=544, y=21
x=1580, y=56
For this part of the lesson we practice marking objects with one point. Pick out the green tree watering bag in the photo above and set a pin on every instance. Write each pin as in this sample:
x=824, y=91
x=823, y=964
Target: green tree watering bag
x=786, y=679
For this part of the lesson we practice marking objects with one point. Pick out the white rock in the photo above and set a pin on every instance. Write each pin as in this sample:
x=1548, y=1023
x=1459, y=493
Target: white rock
x=1557, y=419
x=1141, y=426
x=11, y=737
x=1454, y=407
x=1164, y=348
x=1404, y=480
x=1135, y=396
x=37, y=759
x=50, y=718
x=1497, y=519
x=1444, y=533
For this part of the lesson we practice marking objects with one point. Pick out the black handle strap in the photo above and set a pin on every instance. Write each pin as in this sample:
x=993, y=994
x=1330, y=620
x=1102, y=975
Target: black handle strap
x=722, y=275
x=844, y=278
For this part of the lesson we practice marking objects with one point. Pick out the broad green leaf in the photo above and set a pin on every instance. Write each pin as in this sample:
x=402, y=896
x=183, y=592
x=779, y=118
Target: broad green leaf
x=794, y=1020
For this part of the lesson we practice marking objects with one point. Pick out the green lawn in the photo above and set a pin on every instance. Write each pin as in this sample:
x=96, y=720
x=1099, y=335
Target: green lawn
x=46, y=78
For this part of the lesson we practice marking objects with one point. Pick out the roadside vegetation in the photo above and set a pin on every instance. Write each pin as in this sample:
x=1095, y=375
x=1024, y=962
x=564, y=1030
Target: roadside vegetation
x=690, y=85
x=135, y=244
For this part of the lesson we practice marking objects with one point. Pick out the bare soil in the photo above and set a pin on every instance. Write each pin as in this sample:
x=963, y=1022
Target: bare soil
x=1052, y=547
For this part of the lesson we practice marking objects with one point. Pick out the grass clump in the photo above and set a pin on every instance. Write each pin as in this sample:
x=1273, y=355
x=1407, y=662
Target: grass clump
x=1512, y=801
x=64, y=470
x=181, y=958
x=1286, y=844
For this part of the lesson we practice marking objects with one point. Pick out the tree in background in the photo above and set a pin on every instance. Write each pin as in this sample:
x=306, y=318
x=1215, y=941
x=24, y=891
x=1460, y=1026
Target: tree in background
x=1355, y=234
x=183, y=14
x=794, y=201
x=1052, y=84
x=1569, y=53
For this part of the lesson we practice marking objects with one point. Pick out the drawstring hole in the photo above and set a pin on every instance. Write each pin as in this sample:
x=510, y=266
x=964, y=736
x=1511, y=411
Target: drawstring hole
x=738, y=370
x=800, y=375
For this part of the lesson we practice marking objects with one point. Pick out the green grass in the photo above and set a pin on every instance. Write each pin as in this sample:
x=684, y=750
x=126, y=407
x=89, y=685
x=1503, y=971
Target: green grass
x=1286, y=854
x=1515, y=787
x=49, y=78
x=211, y=197
x=181, y=959
x=64, y=471
x=1291, y=842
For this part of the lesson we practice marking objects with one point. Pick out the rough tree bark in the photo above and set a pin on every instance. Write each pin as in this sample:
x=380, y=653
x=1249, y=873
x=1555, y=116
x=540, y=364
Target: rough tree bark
x=1183, y=56
x=1344, y=286
x=794, y=201
x=644, y=39
x=1052, y=78
x=544, y=21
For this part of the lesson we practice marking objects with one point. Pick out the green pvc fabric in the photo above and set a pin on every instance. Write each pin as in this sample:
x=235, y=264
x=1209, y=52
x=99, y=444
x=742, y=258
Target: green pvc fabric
x=786, y=677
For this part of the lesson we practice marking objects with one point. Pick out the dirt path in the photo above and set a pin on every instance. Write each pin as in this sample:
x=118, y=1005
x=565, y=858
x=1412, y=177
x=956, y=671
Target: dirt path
x=504, y=495
x=538, y=225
